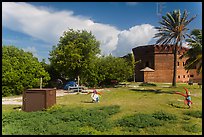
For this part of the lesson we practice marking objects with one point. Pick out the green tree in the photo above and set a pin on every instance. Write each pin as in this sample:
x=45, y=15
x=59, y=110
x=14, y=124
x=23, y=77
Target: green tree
x=74, y=53
x=54, y=75
x=194, y=54
x=113, y=68
x=90, y=75
x=20, y=70
x=130, y=60
x=173, y=31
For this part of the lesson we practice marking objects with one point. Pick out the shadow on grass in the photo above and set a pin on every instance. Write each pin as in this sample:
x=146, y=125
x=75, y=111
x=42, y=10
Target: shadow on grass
x=17, y=107
x=178, y=106
x=158, y=91
x=87, y=102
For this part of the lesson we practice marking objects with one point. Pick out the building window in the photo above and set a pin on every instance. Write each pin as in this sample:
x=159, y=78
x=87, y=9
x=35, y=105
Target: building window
x=178, y=63
x=183, y=63
x=183, y=76
x=147, y=64
x=191, y=76
x=178, y=76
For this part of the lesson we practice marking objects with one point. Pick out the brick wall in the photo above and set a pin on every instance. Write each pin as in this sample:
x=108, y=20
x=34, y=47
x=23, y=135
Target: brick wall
x=193, y=76
x=182, y=74
x=146, y=55
x=160, y=59
x=163, y=68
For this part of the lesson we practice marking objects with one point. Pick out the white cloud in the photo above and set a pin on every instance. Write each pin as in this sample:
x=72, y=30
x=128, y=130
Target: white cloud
x=32, y=50
x=48, y=25
x=135, y=36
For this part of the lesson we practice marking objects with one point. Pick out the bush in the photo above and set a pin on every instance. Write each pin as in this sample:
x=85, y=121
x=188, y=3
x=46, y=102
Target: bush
x=110, y=110
x=196, y=114
x=133, y=123
x=20, y=70
x=59, y=121
x=96, y=118
x=23, y=123
x=192, y=128
x=164, y=116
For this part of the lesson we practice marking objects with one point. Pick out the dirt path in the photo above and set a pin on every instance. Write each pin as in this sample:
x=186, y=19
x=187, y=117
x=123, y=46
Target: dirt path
x=18, y=100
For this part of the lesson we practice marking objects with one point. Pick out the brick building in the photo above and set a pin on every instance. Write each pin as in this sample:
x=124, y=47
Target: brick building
x=156, y=65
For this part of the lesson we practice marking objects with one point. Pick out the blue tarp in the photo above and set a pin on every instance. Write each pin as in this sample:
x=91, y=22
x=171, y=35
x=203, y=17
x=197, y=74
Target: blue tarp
x=70, y=84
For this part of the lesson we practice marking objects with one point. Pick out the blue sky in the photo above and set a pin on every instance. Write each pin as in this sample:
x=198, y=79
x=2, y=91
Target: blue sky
x=119, y=26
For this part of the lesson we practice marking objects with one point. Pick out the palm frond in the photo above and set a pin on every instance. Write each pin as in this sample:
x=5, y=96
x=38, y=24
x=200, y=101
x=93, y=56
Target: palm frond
x=172, y=21
x=188, y=21
x=184, y=17
x=166, y=23
x=190, y=63
x=178, y=14
x=199, y=68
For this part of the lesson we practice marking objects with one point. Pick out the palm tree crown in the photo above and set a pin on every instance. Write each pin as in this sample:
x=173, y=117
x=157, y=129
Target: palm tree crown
x=173, y=31
x=194, y=54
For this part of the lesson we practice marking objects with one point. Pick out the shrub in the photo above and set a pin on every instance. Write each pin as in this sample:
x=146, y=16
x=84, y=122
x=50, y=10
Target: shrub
x=64, y=128
x=96, y=118
x=164, y=116
x=192, y=128
x=23, y=123
x=20, y=70
x=87, y=130
x=133, y=123
x=59, y=121
x=110, y=109
x=196, y=114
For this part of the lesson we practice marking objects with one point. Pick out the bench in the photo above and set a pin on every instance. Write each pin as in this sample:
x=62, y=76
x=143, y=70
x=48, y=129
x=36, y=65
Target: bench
x=75, y=89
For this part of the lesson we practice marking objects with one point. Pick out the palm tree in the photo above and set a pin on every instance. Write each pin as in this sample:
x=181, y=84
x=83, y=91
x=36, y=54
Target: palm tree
x=173, y=31
x=194, y=54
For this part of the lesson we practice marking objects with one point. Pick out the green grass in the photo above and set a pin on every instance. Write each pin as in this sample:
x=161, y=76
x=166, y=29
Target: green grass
x=139, y=110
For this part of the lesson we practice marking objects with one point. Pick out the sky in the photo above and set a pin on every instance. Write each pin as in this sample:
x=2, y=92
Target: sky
x=118, y=26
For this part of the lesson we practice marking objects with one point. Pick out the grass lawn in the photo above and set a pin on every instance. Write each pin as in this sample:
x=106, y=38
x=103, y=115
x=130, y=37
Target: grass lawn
x=134, y=110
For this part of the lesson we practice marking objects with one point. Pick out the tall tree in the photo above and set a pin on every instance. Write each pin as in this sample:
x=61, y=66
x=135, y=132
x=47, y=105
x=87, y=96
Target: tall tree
x=131, y=60
x=173, y=31
x=20, y=70
x=113, y=68
x=74, y=52
x=194, y=54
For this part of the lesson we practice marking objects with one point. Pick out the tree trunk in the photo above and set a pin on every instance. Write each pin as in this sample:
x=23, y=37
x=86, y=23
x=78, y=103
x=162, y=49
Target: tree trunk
x=133, y=64
x=41, y=83
x=175, y=65
x=78, y=82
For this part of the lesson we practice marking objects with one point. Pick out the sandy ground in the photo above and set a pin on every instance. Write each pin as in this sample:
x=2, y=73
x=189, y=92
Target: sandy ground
x=18, y=100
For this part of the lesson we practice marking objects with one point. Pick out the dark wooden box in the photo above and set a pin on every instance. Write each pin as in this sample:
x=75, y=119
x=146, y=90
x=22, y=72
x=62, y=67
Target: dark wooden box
x=38, y=99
